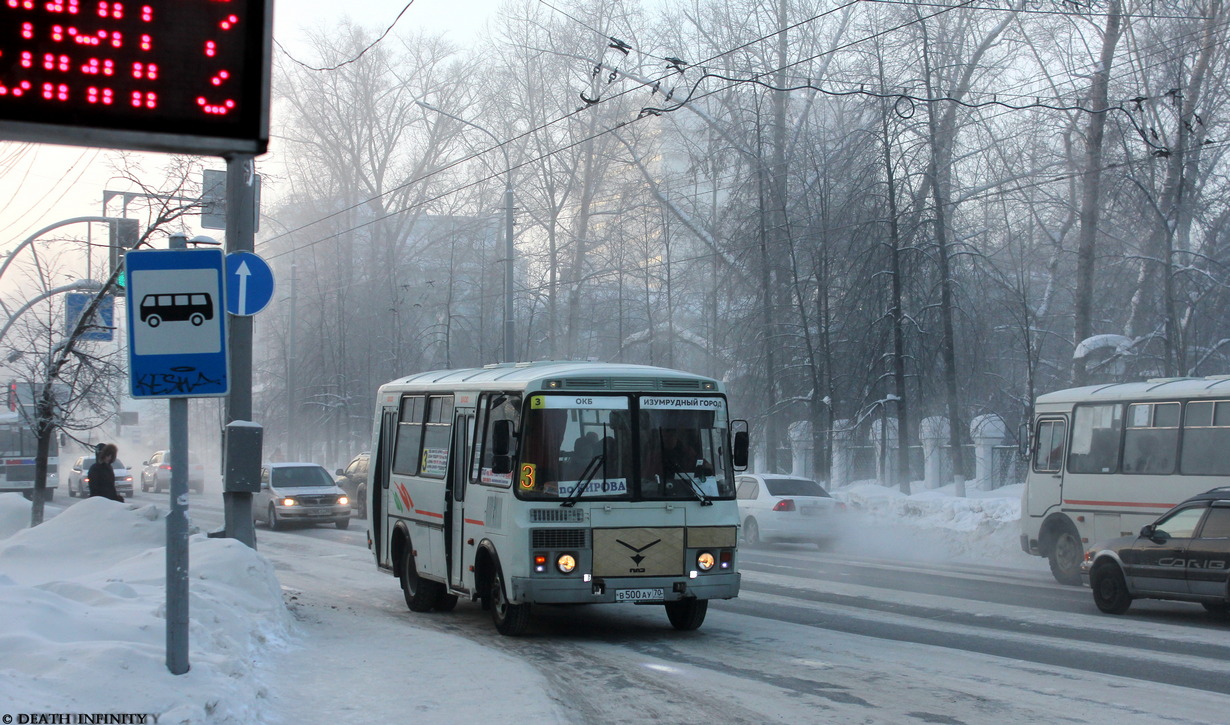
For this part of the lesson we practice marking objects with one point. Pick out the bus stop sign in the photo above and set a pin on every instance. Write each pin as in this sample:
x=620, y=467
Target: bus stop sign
x=177, y=324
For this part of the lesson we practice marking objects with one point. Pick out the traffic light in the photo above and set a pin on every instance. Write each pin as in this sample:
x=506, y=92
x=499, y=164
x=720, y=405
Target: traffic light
x=125, y=233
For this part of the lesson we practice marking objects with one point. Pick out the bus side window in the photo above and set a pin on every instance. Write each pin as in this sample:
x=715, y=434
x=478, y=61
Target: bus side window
x=1095, y=438
x=437, y=434
x=1151, y=438
x=1051, y=437
x=1206, y=438
x=409, y=436
x=501, y=408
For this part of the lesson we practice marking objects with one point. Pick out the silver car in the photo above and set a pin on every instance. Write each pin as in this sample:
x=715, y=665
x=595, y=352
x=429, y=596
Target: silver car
x=156, y=475
x=299, y=492
x=79, y=480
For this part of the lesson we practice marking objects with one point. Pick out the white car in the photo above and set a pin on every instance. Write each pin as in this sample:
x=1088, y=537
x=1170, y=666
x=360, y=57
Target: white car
x=786, y=508
x=303, y=492
x=79, y=480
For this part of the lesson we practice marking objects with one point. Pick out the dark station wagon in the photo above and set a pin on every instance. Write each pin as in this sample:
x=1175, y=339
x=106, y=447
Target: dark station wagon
x=1184, y=555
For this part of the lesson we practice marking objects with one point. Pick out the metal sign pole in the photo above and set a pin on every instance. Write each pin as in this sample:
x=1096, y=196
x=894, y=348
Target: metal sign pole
x=177, y=530
x=177, y=542
x=240, y=212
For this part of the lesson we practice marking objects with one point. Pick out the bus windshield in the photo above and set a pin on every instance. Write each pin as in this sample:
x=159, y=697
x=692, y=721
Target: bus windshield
x=683, y=444
x=592, y=446
x=576, y=446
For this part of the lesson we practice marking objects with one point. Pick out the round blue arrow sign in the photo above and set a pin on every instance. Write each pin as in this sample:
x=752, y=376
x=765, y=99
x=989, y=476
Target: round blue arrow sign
x=249, y=283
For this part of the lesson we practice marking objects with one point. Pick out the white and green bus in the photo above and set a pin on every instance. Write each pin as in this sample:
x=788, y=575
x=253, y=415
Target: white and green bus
x=556, y=483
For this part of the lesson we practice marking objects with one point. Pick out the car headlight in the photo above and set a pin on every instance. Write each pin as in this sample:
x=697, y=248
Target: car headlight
x=343, y=501
x=566, y=563
x=289, y=502
x=705, y=561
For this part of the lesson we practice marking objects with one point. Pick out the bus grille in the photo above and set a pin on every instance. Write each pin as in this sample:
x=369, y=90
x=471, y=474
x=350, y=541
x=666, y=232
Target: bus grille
x=673, y=384
x=638, y=552
x=560, y=538
x=587, y=383
x=557, y=516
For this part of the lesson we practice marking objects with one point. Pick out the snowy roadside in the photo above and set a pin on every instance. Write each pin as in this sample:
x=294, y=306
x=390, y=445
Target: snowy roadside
x=84, y=626
x=934, y=525
x=84, y=631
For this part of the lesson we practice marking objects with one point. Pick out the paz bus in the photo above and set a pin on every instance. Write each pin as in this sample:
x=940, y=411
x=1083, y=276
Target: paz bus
x=1108, y=459
x=18, y=451
x=556, y=483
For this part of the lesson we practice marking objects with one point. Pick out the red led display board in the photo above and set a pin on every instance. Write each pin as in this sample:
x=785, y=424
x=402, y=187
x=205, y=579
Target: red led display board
x=184, y=76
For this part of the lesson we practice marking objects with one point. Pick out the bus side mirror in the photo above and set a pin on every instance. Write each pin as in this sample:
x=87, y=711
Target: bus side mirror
x=739, y=454
x=501, y=447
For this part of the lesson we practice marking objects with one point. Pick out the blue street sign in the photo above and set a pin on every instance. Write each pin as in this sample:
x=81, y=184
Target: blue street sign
x=249, y=283
x=177, y=323
x=104, y=315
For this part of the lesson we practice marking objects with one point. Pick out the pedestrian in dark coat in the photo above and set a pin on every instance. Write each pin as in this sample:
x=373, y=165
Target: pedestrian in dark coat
x=102, y=475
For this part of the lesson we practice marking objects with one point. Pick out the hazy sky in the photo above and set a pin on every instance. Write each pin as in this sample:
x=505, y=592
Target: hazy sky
x=51, y=183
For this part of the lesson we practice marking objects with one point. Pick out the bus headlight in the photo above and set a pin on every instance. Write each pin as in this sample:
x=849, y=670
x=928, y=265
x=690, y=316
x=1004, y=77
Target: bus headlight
x=566, y=563
x=705, y=561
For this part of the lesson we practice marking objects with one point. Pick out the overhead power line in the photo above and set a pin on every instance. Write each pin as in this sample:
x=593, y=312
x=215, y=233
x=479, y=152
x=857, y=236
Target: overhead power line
x=359, y=55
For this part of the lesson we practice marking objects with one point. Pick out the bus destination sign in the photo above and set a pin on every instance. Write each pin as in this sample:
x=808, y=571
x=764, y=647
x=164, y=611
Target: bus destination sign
x=184, y=76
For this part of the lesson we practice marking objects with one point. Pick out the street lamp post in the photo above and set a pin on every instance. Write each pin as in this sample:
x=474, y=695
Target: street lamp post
x=509, y=325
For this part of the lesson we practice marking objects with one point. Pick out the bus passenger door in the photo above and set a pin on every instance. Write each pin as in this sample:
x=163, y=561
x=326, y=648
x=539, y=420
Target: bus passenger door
x=459, y=472
x=1045, y=487
x=378, y=485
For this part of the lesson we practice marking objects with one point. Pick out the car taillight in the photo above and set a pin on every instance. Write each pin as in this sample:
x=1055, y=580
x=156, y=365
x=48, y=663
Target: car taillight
x=165, y=467
x=786, y=504
x=841, y=506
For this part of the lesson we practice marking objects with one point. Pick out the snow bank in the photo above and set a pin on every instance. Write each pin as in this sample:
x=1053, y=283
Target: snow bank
x=935, y=525
x=84, y=625
x=14, y=514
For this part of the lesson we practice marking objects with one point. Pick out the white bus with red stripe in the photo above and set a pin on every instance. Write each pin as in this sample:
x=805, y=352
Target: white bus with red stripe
x=556, y=483
x=1108, y=459
x=19, y=456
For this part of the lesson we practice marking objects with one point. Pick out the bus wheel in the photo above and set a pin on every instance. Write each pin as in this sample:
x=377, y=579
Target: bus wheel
x=687, y=614
x=510, y=619
x=1110, y=591
x=1065, y=558
x=445, y=602
x=421, y=594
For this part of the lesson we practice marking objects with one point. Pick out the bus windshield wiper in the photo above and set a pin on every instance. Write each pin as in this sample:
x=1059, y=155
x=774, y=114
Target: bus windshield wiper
x=591, y=468
x=700, y=493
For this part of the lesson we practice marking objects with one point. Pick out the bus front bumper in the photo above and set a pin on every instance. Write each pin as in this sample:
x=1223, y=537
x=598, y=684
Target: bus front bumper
x=641, y=590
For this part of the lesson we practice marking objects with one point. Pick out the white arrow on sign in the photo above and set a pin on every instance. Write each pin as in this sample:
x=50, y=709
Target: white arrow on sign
x=249, y=283
x=243, y=273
